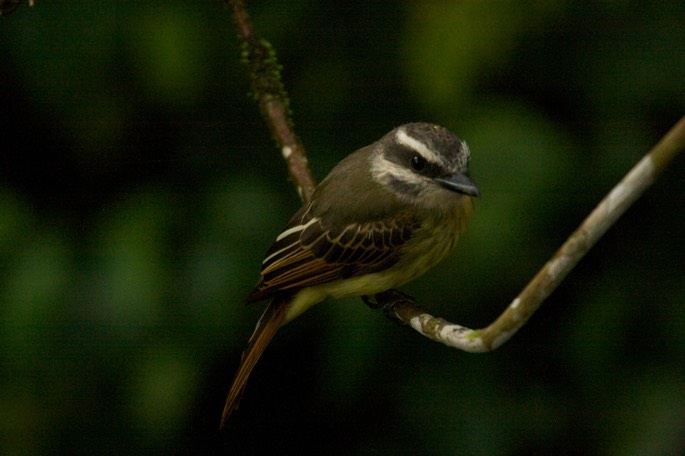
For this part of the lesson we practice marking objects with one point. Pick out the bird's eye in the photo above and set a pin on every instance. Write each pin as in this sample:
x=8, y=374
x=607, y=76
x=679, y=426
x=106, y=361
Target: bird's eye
x=418, y=162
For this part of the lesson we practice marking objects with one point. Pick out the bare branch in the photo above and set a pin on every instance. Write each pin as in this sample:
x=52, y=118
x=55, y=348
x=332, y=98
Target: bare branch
x=621, y=197
x=268, y=90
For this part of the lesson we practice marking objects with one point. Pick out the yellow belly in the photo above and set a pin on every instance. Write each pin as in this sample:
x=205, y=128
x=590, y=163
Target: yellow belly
x=436, y=239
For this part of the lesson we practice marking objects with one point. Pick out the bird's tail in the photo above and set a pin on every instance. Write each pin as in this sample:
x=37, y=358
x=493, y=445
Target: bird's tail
x=268, y=324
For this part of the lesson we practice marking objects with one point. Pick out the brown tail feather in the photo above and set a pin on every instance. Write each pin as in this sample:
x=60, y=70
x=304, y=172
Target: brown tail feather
x=268, y=324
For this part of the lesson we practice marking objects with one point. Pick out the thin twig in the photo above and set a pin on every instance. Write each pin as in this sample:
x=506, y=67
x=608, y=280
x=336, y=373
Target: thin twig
x=607, y=212
x=268, y=90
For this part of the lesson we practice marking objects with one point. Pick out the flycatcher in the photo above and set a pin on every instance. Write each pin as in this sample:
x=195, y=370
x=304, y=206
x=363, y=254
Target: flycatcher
x=383, y=216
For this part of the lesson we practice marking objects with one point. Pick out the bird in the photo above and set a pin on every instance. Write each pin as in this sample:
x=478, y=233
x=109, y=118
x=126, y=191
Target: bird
x=383, y=216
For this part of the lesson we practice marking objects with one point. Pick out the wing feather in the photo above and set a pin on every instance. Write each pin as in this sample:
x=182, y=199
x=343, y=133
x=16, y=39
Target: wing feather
x=311, y=252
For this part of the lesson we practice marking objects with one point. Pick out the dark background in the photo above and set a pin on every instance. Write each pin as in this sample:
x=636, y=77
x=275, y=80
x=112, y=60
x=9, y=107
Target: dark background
x=139, y=190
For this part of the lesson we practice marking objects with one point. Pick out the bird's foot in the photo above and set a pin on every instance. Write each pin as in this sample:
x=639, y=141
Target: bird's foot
x=387, y=301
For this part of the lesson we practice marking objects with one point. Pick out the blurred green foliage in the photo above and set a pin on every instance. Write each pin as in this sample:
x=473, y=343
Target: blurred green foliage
x=139, y=190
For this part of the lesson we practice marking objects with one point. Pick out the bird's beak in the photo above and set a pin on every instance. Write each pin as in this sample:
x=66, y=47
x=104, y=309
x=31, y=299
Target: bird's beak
x=459, y=183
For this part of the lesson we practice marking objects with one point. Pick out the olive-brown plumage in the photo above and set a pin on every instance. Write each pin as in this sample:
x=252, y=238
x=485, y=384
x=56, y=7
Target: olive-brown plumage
x=383, y=216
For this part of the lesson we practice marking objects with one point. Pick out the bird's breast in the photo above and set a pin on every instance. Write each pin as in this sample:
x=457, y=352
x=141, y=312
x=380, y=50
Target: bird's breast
x=436, y=237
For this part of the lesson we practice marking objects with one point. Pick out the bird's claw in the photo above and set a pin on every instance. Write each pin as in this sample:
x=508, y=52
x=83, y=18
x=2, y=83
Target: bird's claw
x=387, y=301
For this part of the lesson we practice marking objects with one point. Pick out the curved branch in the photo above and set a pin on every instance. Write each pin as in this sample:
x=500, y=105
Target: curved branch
x=607, y=212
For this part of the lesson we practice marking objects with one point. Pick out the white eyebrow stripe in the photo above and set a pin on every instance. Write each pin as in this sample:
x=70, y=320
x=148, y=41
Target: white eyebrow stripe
x=295, y=229
x=467, y=151
x=413, y=143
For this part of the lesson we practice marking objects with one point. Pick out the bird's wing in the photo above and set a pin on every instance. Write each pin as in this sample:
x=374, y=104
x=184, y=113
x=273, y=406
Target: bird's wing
x=310, y=252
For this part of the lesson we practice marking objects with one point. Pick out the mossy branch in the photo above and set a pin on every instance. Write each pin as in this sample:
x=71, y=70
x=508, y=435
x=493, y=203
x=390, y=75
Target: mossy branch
x=269, y=92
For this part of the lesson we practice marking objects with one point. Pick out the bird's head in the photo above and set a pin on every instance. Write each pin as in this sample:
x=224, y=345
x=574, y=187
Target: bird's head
x=423, y=164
